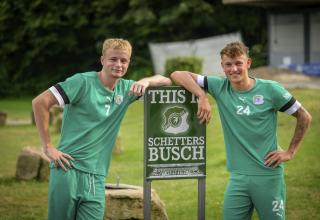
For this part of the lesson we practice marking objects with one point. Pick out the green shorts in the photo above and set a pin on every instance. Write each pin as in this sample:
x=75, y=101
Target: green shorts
x=75, y=195
x=267, y=194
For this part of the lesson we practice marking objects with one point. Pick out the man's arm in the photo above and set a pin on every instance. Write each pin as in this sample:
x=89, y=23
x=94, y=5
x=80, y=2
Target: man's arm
x=138, y=88
x=189, y=81
x=303, y=122
x=41, y=107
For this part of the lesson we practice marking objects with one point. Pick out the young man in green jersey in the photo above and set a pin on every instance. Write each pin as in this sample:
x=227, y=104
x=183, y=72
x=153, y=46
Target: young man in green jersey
x=94, y=105
x=248, y=111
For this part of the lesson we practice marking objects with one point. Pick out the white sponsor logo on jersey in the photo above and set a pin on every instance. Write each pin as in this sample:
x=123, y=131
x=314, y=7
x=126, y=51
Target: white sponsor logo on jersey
x=243, y=99
x=258, y=100
x=108, y=99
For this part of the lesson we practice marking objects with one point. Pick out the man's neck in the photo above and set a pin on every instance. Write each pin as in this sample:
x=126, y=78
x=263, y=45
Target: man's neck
x=108, y=82
x=244, y=85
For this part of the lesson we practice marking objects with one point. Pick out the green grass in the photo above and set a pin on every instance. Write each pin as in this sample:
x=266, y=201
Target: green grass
x=28, y=200
x=17, y=109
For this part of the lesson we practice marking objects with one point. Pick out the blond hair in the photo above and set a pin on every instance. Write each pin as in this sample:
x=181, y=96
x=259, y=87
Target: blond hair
x=235, y=49
x=116, y=43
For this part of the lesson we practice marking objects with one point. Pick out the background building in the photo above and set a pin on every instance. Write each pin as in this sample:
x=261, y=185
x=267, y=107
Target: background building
x=293, y=32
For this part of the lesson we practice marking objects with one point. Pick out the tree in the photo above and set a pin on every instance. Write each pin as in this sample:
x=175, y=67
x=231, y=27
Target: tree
x=42, y=42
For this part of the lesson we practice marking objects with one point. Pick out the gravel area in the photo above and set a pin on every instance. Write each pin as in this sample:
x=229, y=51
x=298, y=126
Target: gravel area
x=288, y=78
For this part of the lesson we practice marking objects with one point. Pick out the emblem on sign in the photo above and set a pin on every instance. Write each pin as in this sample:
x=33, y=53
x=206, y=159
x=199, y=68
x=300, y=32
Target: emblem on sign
x=175, y=120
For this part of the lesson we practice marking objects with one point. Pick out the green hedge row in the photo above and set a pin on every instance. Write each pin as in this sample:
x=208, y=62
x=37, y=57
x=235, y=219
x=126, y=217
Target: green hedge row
x=188, y=63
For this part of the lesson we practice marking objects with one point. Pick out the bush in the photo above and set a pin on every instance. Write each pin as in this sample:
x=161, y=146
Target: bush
x=258, y=55
x=190, y=63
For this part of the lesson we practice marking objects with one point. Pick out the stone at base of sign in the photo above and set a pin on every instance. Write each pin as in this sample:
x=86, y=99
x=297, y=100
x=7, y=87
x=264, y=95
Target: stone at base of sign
x=32, y=163
x=126, y=202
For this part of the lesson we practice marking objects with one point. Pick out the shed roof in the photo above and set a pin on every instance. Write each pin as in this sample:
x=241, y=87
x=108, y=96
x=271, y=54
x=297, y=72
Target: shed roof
x=272, y=3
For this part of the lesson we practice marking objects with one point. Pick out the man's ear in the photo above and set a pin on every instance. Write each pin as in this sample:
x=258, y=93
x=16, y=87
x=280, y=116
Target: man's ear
x=249, y=62
x=101, y=59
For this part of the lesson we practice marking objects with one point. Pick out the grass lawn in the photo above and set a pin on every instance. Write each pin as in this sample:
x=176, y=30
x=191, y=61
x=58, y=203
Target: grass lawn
x=28, y=200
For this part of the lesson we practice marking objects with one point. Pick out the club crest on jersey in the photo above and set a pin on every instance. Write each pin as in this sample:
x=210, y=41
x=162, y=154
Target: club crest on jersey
x=118, y=99
x=258, y=100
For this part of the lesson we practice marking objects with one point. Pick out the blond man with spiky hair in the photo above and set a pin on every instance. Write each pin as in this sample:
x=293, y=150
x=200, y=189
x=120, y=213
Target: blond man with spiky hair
x=94, y=106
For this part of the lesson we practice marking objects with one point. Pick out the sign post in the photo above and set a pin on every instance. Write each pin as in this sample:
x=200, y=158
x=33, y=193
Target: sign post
x=174, y=141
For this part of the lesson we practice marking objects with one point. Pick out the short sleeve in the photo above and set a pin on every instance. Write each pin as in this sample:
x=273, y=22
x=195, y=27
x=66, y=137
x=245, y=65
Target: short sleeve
x=70, y=90
x=283, y=100
x=214, y=85
x=211, y=84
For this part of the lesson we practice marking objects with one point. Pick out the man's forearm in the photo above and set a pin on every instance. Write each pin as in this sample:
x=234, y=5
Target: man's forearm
x=41, y=107
x=158, y=80
x=188, y=81
x=303, y=123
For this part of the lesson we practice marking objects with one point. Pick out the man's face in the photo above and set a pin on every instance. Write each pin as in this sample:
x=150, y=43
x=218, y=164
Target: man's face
x=236, y=69
x=115, y=62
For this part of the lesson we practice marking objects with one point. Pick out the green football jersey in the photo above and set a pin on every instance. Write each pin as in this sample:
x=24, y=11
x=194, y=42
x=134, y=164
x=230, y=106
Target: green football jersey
x=249, y=122
x=91, y=119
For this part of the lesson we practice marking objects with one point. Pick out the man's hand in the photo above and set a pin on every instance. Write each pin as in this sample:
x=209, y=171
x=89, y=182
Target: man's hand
x=275, y=158
x=204, y=109
x=138, y=88
x=57, y=157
